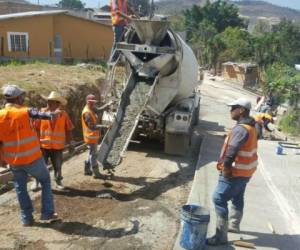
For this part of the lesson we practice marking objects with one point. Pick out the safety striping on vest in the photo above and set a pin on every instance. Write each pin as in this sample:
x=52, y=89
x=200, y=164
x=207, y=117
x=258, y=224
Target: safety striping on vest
x=247, y=153
x=20, y=142
x=92, y=137
x=246, y=166
x=52, y=133
x=52, y=141
x=22, y=154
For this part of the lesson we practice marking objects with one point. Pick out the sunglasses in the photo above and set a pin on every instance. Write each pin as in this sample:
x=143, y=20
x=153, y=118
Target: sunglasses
x=234, y=108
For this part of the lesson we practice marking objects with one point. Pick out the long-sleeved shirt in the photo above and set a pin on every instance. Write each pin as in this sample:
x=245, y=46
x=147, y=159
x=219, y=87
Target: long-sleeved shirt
x=34, y=113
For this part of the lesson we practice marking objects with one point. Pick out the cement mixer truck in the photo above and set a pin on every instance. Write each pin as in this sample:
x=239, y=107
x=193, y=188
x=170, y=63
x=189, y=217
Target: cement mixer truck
x=159, y=96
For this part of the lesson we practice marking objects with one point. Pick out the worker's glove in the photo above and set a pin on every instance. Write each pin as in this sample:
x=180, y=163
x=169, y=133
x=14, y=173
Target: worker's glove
x=226, y=172
x=71, y=147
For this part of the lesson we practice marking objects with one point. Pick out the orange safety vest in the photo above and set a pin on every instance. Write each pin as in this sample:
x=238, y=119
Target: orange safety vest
x=53, y=138
x=19, y=139
x=245, y=163
x=259, y=118
x=121, y=6
x=89, y=136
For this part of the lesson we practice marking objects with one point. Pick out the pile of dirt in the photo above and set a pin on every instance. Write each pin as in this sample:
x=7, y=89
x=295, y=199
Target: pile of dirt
x=39, y=79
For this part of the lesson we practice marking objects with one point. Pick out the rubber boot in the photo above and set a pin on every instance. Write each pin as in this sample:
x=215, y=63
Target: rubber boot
x=234, y=221
x=87, y=170
x=220, y=238
x=96, y=172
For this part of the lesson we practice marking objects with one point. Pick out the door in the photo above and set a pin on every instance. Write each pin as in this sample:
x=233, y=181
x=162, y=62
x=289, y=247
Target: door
x=57, y=48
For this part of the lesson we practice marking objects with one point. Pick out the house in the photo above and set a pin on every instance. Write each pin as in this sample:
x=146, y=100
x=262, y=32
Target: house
x=245, y=74
x=103, y=17
x=54, y=34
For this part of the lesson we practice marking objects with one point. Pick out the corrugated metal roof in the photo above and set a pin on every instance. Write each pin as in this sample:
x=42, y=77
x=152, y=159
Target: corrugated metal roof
x=48, y=12
x=31, y=13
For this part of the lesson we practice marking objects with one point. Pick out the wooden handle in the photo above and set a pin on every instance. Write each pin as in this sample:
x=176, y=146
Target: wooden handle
x=245, y=244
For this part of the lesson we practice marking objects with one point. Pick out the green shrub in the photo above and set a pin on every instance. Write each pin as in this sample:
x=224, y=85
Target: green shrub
x=290, y=123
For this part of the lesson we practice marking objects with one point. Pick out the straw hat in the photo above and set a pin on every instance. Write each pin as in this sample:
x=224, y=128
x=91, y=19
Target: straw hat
x=55, y=96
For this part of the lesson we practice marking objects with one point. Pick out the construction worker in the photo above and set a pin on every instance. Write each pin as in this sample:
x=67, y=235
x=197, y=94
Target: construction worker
x=54, y=135
x=21, y=150
x=263, y=121
x=91, y=135
x=237, y=163
x=119, y=9
x=268, y=103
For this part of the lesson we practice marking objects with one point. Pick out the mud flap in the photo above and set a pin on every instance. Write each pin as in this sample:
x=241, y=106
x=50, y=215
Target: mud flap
x=177, y=143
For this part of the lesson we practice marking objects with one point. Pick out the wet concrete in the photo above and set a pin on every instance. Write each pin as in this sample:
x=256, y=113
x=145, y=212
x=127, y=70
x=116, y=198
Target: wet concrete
x=136, y=102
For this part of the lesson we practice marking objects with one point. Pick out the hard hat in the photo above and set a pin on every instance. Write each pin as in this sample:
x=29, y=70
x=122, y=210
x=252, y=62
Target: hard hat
x=12, y=91
x=91, y=98
x=242, y=102
x=55, y=96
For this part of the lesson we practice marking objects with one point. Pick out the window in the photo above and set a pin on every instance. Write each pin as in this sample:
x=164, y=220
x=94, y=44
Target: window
x=17, y=41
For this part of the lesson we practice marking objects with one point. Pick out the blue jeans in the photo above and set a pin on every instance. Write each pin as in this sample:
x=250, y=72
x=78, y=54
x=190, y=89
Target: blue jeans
x=229, y=189
x=38, y=170
x=92, y=157
x=118, y=32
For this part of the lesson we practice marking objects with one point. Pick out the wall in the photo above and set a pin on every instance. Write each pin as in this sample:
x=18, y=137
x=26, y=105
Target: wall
x=83, y=39
x=243, y=75
x=40, y=31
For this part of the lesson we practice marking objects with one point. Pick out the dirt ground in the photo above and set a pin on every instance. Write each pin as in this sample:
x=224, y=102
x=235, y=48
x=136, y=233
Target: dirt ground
x=74, y=82
x=46, y=77
x=138, y=208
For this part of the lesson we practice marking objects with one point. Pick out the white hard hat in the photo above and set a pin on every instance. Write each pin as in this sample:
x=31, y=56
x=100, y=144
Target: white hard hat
x=12, y=91
x=242, y=102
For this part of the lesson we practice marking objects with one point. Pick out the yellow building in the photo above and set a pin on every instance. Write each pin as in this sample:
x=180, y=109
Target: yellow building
x=55, y=35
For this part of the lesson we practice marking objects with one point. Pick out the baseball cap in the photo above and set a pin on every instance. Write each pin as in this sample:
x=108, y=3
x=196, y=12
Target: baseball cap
x=242, y=102
x=91, y=98
x=12, y=91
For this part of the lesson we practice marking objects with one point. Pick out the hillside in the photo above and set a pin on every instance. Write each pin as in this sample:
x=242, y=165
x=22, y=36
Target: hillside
x=248, y=8
x=263, y=9
x=175, y=6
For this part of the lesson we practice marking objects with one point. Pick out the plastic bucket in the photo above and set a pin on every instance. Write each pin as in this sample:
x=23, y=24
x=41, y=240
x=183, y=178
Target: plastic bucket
x=279, y=150
x=194, y=221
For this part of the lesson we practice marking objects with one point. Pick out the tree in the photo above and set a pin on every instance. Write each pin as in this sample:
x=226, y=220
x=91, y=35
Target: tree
x=261, y=28
x=284, y=81
x=238, y=45
x=71, y=4
x=203, y=24
x=220, y=14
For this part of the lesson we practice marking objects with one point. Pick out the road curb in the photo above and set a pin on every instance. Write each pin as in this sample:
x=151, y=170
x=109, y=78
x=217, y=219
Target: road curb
x=193, y=190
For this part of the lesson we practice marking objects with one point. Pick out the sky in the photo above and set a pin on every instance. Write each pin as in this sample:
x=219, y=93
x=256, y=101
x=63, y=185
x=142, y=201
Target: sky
x=294, y=4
